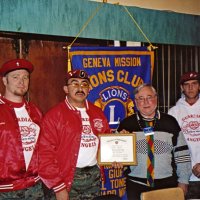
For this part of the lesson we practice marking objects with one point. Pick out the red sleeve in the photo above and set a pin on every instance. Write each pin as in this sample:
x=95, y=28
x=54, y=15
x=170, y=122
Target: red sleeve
x=48, y=167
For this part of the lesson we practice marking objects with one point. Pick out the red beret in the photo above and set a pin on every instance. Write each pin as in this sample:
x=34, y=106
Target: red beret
x=189, y=76
x=77, y=74
x=16, y=64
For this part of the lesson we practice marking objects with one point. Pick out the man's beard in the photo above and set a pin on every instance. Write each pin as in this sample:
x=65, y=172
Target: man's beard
x=20, y=92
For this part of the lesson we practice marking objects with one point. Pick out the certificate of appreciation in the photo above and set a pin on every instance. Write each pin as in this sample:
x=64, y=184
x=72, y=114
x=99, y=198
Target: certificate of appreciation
x=117, y=147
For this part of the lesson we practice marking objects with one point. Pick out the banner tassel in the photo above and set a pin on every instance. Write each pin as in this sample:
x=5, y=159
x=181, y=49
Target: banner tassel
x=69, y=66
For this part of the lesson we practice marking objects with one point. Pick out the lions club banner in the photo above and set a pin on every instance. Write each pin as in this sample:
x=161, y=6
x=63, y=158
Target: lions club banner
x=114, y=73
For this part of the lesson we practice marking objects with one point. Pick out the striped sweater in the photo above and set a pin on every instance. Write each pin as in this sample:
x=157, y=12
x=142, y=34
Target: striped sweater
x=171, y=152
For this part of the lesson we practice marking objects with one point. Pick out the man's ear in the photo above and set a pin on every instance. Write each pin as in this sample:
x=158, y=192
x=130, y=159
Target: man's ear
x=181, y=88
x=65, y=88
x=4, y=79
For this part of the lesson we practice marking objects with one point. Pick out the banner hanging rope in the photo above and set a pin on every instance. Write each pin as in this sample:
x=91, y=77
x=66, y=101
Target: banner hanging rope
x=87, y=22
x=150, y=47
x=82, y=29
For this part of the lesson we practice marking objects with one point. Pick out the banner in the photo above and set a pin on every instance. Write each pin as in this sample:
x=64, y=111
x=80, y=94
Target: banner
x=114, y=73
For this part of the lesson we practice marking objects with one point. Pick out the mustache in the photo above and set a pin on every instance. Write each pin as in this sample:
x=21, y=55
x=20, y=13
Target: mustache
x=80, y=92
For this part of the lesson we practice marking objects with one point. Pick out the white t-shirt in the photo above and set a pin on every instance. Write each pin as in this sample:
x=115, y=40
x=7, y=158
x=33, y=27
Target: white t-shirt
x=89, y=143
x=29, y=133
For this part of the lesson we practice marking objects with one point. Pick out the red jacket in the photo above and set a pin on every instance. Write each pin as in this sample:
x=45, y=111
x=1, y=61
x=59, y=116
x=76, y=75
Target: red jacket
x=13, y=174
x=60, y=142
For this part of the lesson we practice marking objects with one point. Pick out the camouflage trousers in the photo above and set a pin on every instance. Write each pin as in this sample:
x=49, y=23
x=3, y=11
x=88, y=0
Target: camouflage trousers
x=32, y=193
x=86, y=183
x=48, y=193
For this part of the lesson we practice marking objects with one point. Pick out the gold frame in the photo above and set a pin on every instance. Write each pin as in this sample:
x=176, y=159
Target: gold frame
x=117, y=137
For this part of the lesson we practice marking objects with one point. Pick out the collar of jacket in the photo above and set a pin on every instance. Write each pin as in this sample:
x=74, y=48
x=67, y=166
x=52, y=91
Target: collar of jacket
x=71, y=107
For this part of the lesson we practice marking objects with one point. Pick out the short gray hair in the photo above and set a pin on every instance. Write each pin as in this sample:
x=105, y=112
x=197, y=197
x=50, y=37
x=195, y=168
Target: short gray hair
x=137, y=89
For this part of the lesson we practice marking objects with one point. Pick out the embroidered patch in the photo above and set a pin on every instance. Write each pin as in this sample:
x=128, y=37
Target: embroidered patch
x=98, y=124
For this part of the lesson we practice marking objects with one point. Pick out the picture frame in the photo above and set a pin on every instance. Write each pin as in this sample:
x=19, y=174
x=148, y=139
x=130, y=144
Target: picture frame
x=117, y=147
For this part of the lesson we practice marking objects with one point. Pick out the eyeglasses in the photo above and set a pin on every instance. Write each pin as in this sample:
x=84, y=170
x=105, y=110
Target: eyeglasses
x=83, y=85
x=143, y=99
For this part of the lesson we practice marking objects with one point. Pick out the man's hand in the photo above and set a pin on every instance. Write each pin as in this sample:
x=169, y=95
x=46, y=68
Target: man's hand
x=62, y=195
x=184, y=187
x=196, y=170
x=117, y=165
x=124, y=131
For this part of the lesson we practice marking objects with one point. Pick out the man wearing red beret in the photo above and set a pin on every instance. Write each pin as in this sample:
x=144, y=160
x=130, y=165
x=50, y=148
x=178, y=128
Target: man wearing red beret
x=19, y=131
x=187, y=113
x=69, y=142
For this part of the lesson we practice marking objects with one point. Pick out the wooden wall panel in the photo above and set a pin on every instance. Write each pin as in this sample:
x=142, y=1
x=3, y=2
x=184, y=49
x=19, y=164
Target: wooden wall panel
x=6, y=53
x=47, y=79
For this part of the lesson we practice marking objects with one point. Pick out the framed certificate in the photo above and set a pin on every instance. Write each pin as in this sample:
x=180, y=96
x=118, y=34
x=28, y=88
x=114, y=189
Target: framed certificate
x=117, y=147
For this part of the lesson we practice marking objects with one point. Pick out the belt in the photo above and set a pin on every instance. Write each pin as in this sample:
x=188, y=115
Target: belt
x=168, y=180
x=88, y=168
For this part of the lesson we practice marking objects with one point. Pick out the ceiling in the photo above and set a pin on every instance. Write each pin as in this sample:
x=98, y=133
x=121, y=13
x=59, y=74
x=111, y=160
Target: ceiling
x=180, y=6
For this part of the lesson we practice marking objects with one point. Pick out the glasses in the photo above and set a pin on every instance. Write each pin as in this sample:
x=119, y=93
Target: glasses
x=83, y=85
x=143, y=99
